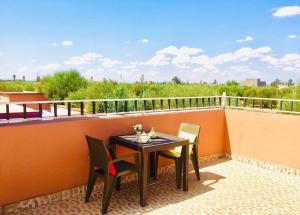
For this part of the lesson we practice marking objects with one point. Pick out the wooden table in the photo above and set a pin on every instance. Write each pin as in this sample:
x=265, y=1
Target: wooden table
x=162, y=142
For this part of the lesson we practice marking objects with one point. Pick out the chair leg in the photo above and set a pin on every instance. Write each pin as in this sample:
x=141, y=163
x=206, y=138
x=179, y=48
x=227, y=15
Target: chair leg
x=109, y=185
x=178, y=166
x=90, y=186
x=118, y=185
x=156, y=166
x=196, y=162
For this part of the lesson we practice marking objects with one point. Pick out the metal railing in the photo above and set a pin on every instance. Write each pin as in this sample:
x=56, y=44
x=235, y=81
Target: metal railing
x=266, y=104
x=136, y=105
x=114, y=106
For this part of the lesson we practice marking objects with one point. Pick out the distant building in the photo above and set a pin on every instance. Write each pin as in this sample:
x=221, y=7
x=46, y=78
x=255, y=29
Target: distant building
x=253, y=82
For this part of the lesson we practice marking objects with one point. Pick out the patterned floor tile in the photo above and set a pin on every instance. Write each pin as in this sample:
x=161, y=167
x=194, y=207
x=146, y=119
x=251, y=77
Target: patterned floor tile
x=226, y=187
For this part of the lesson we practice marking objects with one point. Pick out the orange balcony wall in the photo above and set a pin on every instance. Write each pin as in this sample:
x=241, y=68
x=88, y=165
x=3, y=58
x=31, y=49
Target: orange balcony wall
x=42, y=157
x=266, y=137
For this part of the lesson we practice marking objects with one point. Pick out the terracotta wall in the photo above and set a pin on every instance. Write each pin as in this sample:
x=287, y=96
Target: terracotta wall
x=268, y=137
x=38, y=158
x=27, y=96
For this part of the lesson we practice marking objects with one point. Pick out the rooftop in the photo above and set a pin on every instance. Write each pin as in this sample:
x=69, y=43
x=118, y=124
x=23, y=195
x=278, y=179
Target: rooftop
x=50, y=162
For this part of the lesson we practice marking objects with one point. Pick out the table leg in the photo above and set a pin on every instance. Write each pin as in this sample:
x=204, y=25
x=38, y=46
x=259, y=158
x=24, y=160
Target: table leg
x=185, y=166
x=113, y=149
x=152, y=164
x=143, y=181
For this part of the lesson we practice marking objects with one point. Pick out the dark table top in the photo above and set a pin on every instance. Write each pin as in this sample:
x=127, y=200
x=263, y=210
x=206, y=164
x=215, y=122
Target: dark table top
x=162, y=141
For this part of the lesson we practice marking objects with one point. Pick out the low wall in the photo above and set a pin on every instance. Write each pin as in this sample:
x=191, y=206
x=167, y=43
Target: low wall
x=270, y=137
x=26, y=96
x=42, y=157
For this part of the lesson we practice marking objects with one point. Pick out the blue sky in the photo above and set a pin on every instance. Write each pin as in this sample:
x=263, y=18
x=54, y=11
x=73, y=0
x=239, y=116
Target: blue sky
x=195, y=40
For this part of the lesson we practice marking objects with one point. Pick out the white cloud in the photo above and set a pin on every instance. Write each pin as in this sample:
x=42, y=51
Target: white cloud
x=158, y=60
x=62, y=43
x=186, y=57
x=289, y=62
x=145, y=40
x=184, y=50
x=246, y=39
x=292, y=36
x=109, y=63
x=240, y=55
x=84, y=59
x=67, y=43
x=287, y=11
x=53, y=44
x=187, y=60
x=171, y=54
x=51, y=66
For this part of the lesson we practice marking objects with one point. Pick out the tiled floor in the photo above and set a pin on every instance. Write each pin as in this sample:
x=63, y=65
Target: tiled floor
x=226, y=187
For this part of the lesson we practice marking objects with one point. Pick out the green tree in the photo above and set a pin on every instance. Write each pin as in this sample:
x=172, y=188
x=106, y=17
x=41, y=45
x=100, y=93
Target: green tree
x=290, y=82
x=176, y=80
x=276, y=82
x=232, y=83
x=59, y=85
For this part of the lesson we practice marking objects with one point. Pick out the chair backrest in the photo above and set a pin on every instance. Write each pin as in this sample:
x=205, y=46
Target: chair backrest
x=189, y=131
x=98, y=153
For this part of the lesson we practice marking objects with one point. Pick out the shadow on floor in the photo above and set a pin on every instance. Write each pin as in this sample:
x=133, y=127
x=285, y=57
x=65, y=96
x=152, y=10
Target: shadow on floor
x=161, y=193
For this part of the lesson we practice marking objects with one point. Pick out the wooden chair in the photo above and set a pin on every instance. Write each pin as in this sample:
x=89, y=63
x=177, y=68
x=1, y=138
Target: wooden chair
x=190, y=132
x=101, y=164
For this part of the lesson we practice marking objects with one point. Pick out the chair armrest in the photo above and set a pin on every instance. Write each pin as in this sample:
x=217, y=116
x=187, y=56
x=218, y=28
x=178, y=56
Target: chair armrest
x=135, y=155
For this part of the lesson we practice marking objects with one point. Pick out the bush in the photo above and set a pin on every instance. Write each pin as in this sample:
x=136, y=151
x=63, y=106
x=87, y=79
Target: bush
x=59, y=85
x=17, y=86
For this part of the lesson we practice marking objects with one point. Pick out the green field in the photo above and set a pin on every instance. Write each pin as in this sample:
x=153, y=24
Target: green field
x=71, y=85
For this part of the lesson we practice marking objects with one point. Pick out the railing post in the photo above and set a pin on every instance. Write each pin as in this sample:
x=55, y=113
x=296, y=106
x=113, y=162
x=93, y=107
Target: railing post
x=203, y=102
x=69, y=109
x=116, y=106
x=197, y=102
x=190, y=103
x=183, y=103
x=176, y=103
x=105, y=106
x=7, y=111
x=153, y=104
x=126, y=106
x=135, y=105
x=223, y=103
x=55, y=109
x=161, y=104
x=24, y=111
x=169, y=104
x=41, y=110
x=94, y=107
x=145, y=105
x=81, y=108
x=280, y=105
x=291, y=106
